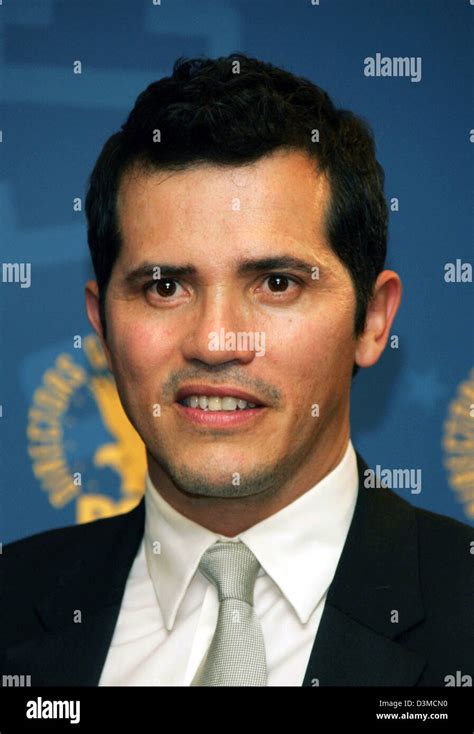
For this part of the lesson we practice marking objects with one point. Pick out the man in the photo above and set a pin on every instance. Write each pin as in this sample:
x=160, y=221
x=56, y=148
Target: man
x=237, y=226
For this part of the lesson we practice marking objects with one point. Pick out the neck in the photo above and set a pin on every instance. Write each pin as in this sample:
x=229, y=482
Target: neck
x=231, y=516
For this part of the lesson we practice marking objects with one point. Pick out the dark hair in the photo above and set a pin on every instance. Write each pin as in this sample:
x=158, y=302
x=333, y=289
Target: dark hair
x=234, y=110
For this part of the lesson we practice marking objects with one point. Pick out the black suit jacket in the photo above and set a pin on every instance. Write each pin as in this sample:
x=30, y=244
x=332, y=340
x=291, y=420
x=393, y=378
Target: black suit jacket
x=398, y=613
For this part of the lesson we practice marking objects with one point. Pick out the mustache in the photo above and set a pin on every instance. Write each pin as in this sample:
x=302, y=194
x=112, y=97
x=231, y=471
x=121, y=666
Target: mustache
x=217, y=376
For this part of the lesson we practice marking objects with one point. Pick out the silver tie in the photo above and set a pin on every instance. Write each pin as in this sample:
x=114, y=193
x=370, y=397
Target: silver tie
x=236, y=656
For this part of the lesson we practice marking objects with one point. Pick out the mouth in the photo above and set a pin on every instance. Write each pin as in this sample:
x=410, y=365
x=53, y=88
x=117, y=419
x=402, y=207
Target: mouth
x=217, y=399
x=218, y=406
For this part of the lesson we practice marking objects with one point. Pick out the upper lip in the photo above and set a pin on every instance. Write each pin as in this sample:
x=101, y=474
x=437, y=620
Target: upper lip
x=220, y=392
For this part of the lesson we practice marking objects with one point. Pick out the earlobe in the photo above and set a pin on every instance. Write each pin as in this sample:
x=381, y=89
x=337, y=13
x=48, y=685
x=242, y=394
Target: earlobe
x=380, y=315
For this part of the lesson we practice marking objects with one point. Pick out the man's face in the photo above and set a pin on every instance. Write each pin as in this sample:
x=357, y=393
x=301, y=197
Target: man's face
x=279, y=334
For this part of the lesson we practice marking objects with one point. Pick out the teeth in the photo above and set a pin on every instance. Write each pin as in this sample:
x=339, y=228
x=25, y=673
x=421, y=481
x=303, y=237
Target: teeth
x=214, y=403
x=228, y=403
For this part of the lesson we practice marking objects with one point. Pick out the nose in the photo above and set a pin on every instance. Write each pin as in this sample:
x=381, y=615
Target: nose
x=222, y=331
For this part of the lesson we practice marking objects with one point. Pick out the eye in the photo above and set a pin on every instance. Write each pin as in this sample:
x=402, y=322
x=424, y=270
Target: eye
x=278, y=283
x=164, y=287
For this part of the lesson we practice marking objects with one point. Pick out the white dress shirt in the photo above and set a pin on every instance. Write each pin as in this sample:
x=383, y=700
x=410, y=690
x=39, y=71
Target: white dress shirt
x=169, y=609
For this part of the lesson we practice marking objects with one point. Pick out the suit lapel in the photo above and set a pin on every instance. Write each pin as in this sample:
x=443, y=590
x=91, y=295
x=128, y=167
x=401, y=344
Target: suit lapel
x=346, y=653
x=79, y=615
x=373, y=599
x=72, y=656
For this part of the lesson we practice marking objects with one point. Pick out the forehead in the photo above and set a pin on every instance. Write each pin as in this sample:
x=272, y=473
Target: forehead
x=282, y=194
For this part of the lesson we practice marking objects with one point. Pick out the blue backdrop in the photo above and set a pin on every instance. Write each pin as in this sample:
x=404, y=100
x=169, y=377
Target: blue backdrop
x=68, y=453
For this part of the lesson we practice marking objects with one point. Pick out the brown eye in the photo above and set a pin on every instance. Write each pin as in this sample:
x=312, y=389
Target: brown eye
x=165, y=287
x=278, y=283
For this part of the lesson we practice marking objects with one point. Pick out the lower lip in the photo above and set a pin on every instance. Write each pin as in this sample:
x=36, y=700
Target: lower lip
x=217, y=418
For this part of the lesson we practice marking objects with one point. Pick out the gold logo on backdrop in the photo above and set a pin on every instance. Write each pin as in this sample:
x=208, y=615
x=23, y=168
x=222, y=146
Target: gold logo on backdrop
x=52, y=412
x=458, y=444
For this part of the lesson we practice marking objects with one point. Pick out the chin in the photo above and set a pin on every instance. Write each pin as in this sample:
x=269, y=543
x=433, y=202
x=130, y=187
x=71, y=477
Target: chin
x=237, y=482
x=219, y=465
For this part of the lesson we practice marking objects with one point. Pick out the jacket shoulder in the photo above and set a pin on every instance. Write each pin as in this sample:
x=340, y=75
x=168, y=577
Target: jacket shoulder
x=44, y=548
x=32, y=565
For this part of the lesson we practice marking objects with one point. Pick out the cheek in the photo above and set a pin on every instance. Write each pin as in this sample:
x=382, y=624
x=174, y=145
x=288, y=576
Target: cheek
x=139, y=352
x=313, y=352
x=321, y=338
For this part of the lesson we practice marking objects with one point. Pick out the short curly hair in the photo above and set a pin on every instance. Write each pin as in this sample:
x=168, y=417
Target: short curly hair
x=234, y=110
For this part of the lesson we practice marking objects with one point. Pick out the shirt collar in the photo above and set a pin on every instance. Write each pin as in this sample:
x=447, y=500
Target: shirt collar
x=307, y=535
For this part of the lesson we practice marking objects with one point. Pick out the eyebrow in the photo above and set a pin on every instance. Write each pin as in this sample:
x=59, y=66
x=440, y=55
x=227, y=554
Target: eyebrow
x=279, y=262
x=257, y=265
x=147, y=272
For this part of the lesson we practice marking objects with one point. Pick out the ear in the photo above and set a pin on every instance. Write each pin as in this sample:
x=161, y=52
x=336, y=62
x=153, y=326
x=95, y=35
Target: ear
x=93, y=314
x=380, y=314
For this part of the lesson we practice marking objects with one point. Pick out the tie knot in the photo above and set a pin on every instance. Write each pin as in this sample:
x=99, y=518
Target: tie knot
x=232, y=568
